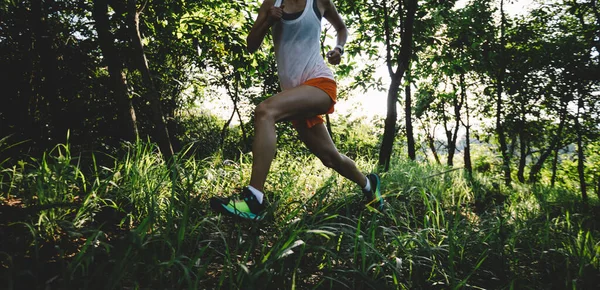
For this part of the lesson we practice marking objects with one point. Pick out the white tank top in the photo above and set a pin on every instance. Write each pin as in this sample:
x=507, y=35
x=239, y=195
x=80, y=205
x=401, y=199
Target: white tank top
x=298, y=48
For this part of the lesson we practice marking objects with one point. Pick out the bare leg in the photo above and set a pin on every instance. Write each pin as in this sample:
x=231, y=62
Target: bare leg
x=300, y=102
x=319, y=142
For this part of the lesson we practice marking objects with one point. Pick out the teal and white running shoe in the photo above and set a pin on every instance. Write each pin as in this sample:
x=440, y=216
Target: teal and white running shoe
x=245, y=206
x=374, y=195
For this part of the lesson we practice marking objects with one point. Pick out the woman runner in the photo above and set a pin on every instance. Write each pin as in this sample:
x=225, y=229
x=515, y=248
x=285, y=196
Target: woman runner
x=309, y=90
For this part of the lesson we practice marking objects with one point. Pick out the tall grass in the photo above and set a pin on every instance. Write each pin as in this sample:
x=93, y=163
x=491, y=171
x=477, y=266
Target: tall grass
x=137, y=222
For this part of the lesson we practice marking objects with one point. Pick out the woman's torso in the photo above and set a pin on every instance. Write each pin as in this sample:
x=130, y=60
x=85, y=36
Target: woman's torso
x=297, y=40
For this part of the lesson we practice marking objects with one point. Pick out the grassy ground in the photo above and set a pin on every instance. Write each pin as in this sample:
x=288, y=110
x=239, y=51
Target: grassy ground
x=135, y=223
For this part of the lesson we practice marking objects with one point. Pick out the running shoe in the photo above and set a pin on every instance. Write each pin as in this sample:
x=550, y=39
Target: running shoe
x=245, y=206
x=374, y=195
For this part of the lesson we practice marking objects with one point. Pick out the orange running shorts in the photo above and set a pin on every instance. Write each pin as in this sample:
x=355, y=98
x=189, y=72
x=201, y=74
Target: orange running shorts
x=328, y=86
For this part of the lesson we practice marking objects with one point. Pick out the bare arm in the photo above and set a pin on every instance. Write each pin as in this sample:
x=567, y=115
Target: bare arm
x=334, y=56
x=267, y=16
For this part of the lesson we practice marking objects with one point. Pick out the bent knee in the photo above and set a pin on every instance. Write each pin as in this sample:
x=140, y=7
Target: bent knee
x=332, y=160
x=263, y=112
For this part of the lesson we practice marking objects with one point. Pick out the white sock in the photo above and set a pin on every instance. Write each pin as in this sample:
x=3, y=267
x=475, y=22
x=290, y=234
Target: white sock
x=368, y=186
x=259, y=195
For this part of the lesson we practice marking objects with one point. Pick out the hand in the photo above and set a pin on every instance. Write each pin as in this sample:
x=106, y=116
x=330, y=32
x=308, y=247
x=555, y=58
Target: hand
x=334, y=56
x=275, y=14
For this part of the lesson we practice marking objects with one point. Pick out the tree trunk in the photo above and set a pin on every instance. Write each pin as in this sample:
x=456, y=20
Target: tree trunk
x=598, y=186
x=467, y=152
x=458, y=104
x=410, y=139
x=404, y=56
x=389, y=132
x=554, y=167
x=522, y=146
x=161, y=132
x=522, y=155
x=499, y=90
x=452, y=133
x=537, y=167
x=431, y=143
x=328, y=126
x=225, y=129
x=234, y=95
x=451, y=145
x=126, y=111
x=580, y=154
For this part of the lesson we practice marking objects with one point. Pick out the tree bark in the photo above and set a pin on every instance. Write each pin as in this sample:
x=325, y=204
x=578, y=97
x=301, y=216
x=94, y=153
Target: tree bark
x=161, y=131
x=126, y=111
x=404, y=56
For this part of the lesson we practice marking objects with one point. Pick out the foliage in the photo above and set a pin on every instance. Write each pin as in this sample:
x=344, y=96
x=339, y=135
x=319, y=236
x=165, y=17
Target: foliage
x=131, y=226
x=356, y=138
x=96, y=212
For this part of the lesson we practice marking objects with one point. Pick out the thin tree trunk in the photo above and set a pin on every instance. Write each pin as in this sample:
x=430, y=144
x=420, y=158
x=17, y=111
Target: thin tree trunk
x=244, y=135
x=161, y=133
x=410, y=139
x=455, y=133
x=554, y=167
x=458, y=104
x=389, y=133
x=328, y=125
x=598, y=186
x=225, y=128
x=467, y=153
x=236, y=110
x=452, y=133
x=431, y=143
x=450, y=145
x=129, y=130
x=404, y=56
x=522, y=155
x=522, y=146
x=499, y=90
x=537, y=167
x=580, y=154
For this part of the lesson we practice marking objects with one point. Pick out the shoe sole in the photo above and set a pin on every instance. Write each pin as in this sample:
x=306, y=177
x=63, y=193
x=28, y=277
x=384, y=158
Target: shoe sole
x=218, y=206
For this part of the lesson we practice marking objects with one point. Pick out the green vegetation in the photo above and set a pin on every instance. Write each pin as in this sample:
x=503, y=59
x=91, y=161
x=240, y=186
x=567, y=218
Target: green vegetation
x=134, y=222
x=491, y=169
